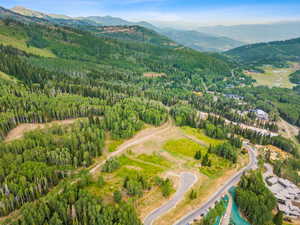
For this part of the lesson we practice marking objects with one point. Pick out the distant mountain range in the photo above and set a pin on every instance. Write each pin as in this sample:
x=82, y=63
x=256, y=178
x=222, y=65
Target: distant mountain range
x=201, y=41
x=257, y=32
x=210, y=39
x=193, y=39
x=108, y=27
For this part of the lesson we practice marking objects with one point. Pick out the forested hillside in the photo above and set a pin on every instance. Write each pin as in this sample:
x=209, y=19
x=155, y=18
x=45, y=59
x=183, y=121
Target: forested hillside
x=272, y=53
x=295, y=77
x=138, y=31
x=201, y=41
x=50, y=72
x=53, y=72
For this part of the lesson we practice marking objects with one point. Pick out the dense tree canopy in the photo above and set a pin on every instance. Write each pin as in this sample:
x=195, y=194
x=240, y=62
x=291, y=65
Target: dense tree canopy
x=254, y=199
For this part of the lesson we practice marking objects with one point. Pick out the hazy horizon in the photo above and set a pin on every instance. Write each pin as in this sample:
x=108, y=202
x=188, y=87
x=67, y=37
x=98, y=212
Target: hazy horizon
x=174, y=13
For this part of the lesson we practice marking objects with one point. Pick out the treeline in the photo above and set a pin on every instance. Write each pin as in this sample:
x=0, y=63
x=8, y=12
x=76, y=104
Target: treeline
x=285, y=101
x=232, y=109
x=254, y=199
x=125, y=118
x=288, y=169
x=31, y=166
x=277, y=53
x=216, y=127
x=20, y=105
x=261, y=139
x=75, y=206
x=12, y=64
x=226, y=151
x=37, y=162
x=214, y=215
x=255, y=137
x=213, y=127
x=295, y=77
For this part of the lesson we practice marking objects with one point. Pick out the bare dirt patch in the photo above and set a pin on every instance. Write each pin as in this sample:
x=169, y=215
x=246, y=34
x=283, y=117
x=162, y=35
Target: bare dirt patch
x=153, y=75
x=118, y=29
x=20, y=130
x=156, y=142
x=286, y=129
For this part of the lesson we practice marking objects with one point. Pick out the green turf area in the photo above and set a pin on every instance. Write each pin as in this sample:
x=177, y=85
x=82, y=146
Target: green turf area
x=183, y=147
x=4, y=76
x=155, y=159
x=142, y=168
x=129, y=168
x=21, y=44
x=114, y=144
x=186, y=147
x=199, y=134
x=274, y=77
x=217, y=167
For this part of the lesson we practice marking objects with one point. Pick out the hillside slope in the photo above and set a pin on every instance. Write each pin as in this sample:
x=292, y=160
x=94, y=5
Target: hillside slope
x=102, y=26
x=272, y=53
x=127, y=30
x=201, y=41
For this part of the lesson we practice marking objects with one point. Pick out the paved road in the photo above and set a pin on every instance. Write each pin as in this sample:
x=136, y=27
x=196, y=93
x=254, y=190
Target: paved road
x=218, y=195
x=187, y=180
x=204, y=115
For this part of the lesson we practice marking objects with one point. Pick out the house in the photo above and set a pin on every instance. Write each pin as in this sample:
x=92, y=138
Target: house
x=285, y=193
x=272, y=180
x=260, y=114
x=232, y=96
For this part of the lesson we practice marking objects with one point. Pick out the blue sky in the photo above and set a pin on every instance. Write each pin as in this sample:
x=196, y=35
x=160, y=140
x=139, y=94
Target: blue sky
x=185, y=12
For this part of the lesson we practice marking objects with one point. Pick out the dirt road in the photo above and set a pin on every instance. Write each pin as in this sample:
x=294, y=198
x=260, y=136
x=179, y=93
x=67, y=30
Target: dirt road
x=138, y=139
x=21, y=129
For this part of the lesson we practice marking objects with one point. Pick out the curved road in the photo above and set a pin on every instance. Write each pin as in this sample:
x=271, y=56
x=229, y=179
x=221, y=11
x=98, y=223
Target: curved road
x=218, y=195
x=187, y=180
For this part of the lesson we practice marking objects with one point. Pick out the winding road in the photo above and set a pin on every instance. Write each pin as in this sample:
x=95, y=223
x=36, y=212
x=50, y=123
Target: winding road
x=219, y=194
x=187, y=180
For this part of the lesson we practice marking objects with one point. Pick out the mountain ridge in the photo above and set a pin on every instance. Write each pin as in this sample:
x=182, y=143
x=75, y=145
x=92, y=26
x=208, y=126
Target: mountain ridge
x=193, y=39
x=276, y=53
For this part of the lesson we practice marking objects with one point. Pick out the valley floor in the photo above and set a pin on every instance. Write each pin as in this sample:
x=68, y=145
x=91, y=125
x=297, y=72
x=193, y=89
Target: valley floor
x=274, y=77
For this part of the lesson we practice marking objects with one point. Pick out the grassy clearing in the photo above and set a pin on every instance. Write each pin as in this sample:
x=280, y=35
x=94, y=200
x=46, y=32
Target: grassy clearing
x=274, y=77
x=4, y=76
x=114, y=144
x=155, y=158
x=188, y=148
x=141, y=168
x=129, y=168
x=184, y=147
x=199, y=134
x=21, y=44
x=217, y=168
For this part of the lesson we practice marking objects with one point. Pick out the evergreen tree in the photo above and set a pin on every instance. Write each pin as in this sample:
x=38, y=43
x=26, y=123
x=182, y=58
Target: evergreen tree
x=198, y=155
x=278, y=218
x=117, y=196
